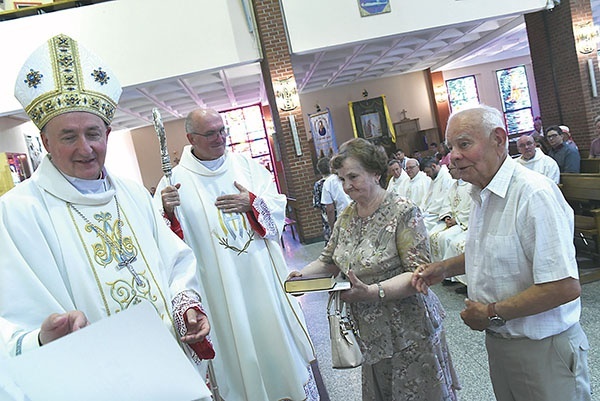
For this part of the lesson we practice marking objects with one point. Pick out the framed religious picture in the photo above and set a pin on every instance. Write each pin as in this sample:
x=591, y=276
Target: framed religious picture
x=371, y=119
x=322, y=134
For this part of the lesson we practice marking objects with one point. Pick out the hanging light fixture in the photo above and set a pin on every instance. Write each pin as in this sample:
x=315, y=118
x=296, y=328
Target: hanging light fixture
x=286, y=94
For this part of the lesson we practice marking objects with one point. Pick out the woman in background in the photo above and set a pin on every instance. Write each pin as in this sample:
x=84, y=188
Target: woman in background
x=325, y=171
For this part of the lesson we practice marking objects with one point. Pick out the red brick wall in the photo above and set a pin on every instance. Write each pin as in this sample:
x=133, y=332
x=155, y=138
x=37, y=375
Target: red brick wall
x=561, y=72
x=298, y=170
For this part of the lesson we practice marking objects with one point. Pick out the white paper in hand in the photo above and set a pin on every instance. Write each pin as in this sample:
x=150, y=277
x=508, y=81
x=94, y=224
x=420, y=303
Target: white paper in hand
x=129, y=356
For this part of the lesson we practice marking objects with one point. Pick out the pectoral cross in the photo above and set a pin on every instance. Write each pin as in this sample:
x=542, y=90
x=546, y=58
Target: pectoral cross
x=127, y=263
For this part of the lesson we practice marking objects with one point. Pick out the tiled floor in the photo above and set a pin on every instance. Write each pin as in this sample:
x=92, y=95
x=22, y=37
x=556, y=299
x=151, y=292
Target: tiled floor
x=467, y=346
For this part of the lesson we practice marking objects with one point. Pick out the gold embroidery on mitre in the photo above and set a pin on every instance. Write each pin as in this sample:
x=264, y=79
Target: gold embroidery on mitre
x=69, y=93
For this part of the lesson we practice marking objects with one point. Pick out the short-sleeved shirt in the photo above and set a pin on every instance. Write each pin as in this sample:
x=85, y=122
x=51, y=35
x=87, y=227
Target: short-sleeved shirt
x=521, y=234
x=333, y=192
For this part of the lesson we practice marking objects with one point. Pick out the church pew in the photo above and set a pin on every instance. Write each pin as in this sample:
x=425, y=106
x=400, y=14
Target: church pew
x=582, y=191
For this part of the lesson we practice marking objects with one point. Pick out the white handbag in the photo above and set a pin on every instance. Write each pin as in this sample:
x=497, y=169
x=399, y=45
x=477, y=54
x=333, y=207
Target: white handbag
x=345, y=351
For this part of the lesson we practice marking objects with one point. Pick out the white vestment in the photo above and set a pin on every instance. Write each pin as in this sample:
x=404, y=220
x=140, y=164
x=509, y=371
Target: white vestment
x=543, y=164
x=54, y=261
x=417, y=187
x=433, y=204
x=262, y=346
x=399, y=185
x=449, y=242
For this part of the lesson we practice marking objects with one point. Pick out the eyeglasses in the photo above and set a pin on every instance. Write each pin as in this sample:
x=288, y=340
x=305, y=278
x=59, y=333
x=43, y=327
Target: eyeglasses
x=411, y=167
x=526, y=144
x=224, y=132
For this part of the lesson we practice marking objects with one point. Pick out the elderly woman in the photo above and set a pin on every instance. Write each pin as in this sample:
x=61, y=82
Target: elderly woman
x=377, y=242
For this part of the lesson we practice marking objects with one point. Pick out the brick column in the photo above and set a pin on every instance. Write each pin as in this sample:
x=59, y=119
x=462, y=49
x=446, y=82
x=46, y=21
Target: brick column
x=561, y=73
x=299, y=174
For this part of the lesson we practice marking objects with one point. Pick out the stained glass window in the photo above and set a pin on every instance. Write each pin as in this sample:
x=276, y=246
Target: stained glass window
x=247, y=134
x=462, y=92
x=516, y=100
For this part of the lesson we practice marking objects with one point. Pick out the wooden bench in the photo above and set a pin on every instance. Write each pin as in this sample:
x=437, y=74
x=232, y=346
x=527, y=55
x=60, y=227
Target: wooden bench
x=582, y=192
x=589, y=165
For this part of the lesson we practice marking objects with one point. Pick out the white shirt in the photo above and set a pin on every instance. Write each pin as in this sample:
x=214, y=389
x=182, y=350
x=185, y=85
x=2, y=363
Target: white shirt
x=333, y=192
x=399, y=184
x=521, y=233
x=543, y=164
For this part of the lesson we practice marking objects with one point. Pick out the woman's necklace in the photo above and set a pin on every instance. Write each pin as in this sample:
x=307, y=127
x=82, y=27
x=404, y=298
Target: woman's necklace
x=124, y=260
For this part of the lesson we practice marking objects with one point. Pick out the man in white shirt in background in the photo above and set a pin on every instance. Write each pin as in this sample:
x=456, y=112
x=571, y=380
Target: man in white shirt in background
x=418, y=185
x=398, y=180
x=334, y=198
x=536, y=160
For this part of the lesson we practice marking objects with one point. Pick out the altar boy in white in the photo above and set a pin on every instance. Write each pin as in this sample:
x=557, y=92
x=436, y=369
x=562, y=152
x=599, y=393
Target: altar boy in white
x=78, y=243
x=232, y=216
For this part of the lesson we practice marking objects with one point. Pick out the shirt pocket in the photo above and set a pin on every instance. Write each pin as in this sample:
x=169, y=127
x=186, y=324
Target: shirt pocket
x=500, y=255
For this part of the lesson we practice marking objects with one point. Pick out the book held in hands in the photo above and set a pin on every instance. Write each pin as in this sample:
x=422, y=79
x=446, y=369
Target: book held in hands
x=315, y=282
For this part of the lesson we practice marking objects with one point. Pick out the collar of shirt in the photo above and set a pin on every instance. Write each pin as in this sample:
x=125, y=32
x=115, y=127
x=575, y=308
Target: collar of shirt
x=499, y=183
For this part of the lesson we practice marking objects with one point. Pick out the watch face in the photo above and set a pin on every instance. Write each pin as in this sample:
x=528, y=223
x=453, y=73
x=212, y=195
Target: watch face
x=497, y=321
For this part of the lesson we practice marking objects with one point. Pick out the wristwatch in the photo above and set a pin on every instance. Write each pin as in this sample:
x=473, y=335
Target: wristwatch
x=381, y=292
x=495, y=320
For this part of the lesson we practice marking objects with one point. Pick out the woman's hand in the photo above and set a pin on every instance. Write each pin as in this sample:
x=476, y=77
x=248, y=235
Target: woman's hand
x=359, y=290
x=294, y=273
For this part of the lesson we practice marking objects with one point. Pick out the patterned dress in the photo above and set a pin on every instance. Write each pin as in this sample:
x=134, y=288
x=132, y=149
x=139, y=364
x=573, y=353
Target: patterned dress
x=403, y=340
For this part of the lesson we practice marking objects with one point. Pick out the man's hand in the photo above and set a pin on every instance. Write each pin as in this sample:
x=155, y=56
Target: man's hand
x=197, y=326
x=427, y=275
x=59, y=325
x=475, y=315
x=236, y=203
x=170, y=199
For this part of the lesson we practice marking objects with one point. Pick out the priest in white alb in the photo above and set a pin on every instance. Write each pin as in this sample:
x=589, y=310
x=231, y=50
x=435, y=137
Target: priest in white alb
x=433, y=203
x=398, y=178
x=227, y=208
x=418, y=185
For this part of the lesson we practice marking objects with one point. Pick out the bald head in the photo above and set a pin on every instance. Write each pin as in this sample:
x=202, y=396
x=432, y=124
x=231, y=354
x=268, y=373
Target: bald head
x=479, y=143
x=206, y=133
x=526, y=146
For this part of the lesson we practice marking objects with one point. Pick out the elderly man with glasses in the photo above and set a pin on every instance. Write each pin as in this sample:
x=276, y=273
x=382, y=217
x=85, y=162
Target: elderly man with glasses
x=566, y=155
x=418, y=185
x=536, y=160
x=232, y=216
